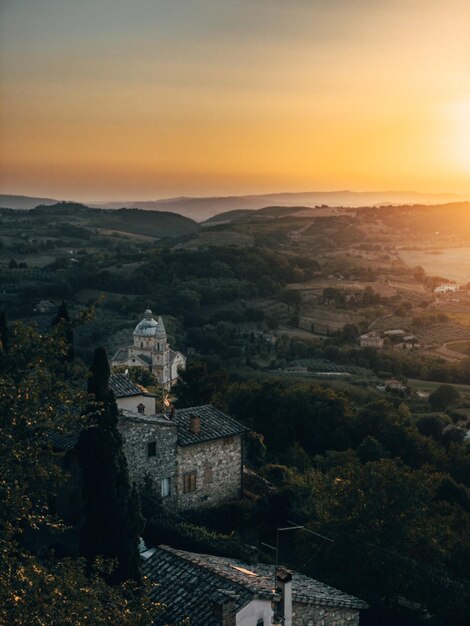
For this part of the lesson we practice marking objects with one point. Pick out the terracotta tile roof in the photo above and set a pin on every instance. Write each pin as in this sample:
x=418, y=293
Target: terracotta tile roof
x=214, y=425
x=186, y=583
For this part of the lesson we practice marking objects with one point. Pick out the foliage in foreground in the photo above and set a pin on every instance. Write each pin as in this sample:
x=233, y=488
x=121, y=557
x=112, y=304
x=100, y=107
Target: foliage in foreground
x=37, y=588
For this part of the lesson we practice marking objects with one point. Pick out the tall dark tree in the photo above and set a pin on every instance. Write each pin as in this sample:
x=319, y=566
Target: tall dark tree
x=62, y=319
x=113, y=521
x=4, y=341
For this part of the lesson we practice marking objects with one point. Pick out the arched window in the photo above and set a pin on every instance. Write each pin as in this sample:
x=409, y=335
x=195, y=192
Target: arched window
x=141, y=408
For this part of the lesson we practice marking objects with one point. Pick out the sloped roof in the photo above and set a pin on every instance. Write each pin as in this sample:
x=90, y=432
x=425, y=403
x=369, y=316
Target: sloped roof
x=120, y=355
x=186, y=583
x=187, y=589
x=123, y=387
x=145, y=358
x=214, y=425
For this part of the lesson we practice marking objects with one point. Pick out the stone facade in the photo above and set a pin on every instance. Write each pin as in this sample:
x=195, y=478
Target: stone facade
x=314, y=615
x=188, y=469
x=150, y=448
x=217, y=466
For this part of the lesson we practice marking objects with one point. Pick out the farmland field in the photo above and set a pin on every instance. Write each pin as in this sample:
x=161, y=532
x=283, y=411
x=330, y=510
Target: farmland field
x=452, y=263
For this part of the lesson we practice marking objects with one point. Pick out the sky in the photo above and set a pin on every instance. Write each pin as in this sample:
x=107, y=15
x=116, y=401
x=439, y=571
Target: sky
x=144, y=99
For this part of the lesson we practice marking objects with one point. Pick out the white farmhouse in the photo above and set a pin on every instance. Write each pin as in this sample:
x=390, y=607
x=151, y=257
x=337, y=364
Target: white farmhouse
x=371, y=340
x=445, y=288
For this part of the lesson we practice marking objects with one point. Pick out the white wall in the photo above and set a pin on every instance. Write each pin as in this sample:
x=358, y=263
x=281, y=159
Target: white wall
x=131, y=404
x=254, y=611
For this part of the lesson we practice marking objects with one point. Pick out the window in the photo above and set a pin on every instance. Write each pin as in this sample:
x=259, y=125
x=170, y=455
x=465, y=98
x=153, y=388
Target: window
x=189, y=482
x=260, y=622
x=152, y=448
x=165, y=487
x=141, y=408
x=228, y=440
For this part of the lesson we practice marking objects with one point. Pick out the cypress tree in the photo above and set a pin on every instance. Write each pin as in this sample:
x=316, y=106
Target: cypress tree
x=113, y=521
x=4, y=340
x=62, y=317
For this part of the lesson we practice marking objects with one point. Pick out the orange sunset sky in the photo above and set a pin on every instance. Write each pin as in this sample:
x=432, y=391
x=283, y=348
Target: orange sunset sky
x=115, y=99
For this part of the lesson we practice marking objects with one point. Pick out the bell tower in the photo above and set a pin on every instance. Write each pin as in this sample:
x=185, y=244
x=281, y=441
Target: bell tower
x=161, y=355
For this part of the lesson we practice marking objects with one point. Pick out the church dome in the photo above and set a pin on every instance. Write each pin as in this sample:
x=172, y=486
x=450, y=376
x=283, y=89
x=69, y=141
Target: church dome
x=146, y=327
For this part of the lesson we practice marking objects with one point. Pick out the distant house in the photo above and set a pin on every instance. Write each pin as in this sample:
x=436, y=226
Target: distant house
x=45, y=306
x=395, y=385
x=409, y=343
x=371, y=340
x=295, y=369
x=394, y=332
x=445, y=287
x=217, y=591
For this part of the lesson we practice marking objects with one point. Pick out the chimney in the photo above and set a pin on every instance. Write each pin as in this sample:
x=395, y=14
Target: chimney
x=284, y=588
x=194, y=424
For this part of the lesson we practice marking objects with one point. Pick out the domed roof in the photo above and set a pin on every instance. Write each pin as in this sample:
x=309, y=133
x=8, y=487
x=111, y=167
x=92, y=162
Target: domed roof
x=146, y=327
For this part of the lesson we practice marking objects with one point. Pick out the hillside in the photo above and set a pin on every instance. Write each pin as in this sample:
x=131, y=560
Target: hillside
x=135, y=221
x=23, y=202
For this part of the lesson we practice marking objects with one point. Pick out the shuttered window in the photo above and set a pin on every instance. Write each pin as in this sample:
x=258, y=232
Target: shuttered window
x=189, y=482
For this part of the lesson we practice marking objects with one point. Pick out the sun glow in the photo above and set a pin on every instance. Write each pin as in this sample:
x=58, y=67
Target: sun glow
x=460, y=134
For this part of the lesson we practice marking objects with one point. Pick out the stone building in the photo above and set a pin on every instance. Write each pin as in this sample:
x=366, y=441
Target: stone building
x=218, y=591
x=150, y=350
x=371, y=340
x=150, y=444
x=194, y=457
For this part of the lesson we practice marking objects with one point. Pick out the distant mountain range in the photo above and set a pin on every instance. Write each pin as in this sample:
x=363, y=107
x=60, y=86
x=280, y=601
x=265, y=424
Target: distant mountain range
x=24, y=202
x=203, y=208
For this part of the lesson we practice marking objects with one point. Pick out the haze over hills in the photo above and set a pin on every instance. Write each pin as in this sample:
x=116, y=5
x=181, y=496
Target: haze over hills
x=23, y=202
x=203, y=208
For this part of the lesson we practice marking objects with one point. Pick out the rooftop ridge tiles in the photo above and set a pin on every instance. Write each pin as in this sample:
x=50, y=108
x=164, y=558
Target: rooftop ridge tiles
x=192, y=557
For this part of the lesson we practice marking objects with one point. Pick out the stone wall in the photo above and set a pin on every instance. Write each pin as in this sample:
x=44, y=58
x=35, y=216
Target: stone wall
x=218, y=468
x=137, y=433
x=311, y=615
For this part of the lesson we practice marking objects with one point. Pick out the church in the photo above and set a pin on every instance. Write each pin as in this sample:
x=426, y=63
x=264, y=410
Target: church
x=150, y=350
